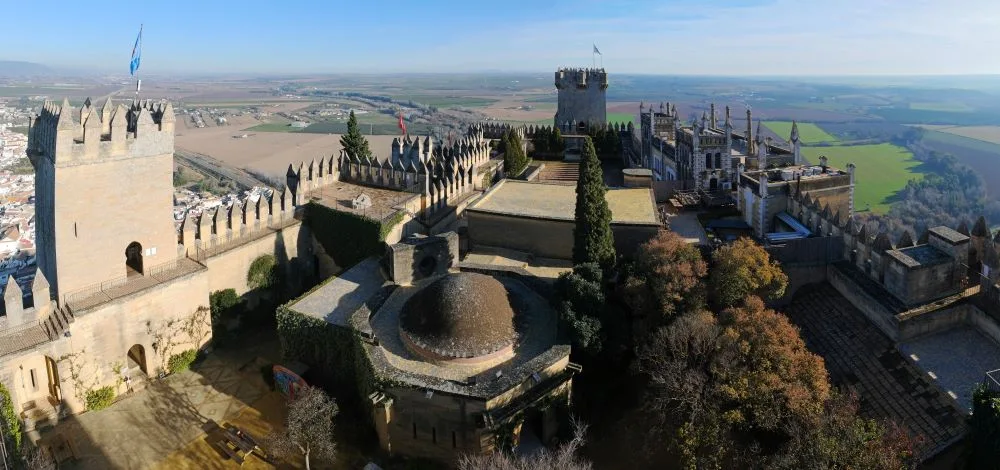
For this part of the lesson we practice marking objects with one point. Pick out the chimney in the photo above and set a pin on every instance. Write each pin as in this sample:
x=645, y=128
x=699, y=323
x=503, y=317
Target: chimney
x=822, y=162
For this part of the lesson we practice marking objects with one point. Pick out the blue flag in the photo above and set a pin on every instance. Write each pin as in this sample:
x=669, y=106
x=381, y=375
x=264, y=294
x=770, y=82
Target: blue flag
x=133, y=66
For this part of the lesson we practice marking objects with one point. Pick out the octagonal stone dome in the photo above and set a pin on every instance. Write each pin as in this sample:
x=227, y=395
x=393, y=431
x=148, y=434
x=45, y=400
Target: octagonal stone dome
x=459, y=316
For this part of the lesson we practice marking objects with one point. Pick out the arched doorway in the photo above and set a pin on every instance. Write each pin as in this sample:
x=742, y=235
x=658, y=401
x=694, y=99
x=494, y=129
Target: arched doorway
x=52, y=370
x=713, y=184
x=133, y=259
x=137, y=358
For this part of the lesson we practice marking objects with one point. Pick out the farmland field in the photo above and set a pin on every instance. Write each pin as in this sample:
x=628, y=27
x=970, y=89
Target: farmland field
x=809, y=133
x=273, y=127
x=621, y=117
x=447, y=101
x=954, y=107
x=984, y=133
x=882, y=170
x=981, y=156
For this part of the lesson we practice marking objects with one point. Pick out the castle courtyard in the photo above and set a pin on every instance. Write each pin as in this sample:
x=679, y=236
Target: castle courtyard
x=171, y=422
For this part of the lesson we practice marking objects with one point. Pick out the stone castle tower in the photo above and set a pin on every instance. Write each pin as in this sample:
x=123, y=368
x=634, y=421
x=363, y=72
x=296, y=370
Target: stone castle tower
x=582, y=99
x=103, y=191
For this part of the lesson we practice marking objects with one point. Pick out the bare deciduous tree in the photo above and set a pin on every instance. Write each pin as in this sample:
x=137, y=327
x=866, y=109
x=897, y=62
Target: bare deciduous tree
x=308, y=428
x=562, y=458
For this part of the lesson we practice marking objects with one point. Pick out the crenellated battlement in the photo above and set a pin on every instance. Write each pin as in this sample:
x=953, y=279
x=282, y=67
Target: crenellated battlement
x=69, y=136
x=581, y=78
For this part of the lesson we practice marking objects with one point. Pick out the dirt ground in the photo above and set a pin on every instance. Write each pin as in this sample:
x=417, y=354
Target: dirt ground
x=267, y=152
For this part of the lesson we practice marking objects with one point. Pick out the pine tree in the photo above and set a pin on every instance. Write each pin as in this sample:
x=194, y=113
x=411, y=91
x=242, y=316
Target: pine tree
x=593, y=241
x=353, y=142
x=514, y=159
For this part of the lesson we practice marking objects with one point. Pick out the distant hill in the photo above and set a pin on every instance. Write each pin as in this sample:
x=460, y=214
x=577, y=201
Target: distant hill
x=15, y=68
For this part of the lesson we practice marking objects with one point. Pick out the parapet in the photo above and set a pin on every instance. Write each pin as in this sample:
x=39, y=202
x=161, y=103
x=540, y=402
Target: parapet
x=568, y=78
x=69, y=136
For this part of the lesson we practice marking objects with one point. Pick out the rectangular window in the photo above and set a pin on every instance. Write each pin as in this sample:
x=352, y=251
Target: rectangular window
x=34, y=385
x=454, y=440
x=414, y=430
x=434, y=435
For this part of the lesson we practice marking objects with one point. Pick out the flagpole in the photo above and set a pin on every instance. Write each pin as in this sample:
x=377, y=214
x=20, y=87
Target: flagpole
x=138, y=81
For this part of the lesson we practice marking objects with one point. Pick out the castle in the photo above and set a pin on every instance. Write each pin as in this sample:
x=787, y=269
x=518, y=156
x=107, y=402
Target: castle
x=118, y=290
x=705, y=155
x=582, y=99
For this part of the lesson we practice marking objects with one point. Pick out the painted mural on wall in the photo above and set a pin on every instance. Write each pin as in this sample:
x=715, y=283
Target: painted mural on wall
x=287, y=382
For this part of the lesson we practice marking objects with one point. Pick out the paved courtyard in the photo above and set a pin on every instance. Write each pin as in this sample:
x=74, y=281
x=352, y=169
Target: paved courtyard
x=686, y=225
x=145, y=428
x=957, y=359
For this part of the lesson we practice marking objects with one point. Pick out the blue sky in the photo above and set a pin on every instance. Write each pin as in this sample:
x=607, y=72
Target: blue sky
x=717, y=37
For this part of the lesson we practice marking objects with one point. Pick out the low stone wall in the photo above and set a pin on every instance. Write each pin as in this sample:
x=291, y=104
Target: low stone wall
x=936, y=321
x=868, y=305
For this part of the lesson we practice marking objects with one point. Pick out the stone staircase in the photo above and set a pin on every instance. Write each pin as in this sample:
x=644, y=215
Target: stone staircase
x=566, y=172
x=41, y=413
x=58, y=322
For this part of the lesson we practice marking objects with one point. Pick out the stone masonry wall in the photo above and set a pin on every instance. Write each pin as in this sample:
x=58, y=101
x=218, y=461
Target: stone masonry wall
x=103, y=336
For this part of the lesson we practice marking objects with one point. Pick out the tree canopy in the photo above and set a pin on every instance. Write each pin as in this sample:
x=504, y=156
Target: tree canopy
x=743, y=269
x=580, y=300
x=308, y=427
x=353, y=142
x=593, y=241
x=665, y=278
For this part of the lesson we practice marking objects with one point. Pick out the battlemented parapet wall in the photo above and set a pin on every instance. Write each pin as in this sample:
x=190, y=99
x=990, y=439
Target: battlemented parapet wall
x=94, y=196
x=582, y=97
x=439, y=174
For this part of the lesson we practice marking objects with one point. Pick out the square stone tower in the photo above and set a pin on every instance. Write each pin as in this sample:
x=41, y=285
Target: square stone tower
x=582, y=99
x=103, y=192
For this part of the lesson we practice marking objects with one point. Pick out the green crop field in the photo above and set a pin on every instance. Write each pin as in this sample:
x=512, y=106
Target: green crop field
x=948, y=106
x=808, y=132
x=621, y=117
x=882, y=170
x=273, y=127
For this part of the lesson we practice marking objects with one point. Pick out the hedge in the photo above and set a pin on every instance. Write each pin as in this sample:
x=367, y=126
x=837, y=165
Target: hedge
x=181, y=361
x=347, y=237
x=101, y=398
x=12, y=426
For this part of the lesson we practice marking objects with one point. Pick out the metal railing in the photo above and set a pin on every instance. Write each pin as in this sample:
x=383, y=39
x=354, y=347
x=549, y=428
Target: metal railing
x=992, y=380
x=99, y=293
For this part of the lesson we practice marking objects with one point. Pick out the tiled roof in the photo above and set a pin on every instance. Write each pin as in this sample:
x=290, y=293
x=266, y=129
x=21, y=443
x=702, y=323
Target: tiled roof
x=859, y=357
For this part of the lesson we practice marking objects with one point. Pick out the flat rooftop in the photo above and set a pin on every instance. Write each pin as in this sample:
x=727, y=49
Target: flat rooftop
x=342, y=295
x=951, y=236
x=556, y=201
x=956, y=360
x=920, y=255
x=776, y=176
x=340, y=195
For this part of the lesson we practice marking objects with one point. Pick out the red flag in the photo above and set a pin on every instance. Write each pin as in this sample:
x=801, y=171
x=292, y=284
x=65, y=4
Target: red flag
x=402, y=126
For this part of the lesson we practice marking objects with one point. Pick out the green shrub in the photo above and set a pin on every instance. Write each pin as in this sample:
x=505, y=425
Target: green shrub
x=101, y=398
x=181, y=361
x=12, y=426
x=263, y=273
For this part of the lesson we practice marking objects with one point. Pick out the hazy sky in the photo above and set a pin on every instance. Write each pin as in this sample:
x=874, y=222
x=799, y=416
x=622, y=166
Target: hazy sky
x=719, y=37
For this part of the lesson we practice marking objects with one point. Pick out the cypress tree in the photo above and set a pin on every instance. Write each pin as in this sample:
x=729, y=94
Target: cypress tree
x=593, y=241
x=353, y=142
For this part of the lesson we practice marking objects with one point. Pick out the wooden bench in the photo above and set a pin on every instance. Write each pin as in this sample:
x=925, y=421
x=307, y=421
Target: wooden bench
x=224, y=445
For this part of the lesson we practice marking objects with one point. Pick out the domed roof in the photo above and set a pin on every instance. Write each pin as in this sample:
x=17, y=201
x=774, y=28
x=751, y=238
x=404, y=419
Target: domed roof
x=460, y=315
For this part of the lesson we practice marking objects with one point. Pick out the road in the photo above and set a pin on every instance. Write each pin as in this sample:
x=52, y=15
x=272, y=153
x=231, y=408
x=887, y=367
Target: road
x=213, y=167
